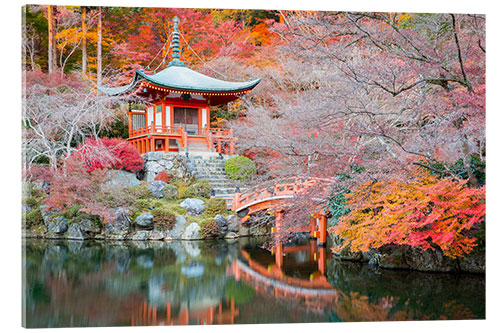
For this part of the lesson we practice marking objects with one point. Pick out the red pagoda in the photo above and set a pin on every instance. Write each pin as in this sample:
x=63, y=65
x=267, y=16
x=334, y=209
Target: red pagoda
x=177, y=116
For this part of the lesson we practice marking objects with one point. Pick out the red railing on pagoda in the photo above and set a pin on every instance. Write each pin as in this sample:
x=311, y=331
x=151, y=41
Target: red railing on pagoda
x=219, y=140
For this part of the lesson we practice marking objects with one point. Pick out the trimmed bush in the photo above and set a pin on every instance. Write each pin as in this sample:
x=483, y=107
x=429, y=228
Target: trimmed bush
x=240, y=168
x=200, y=189
x=210, y=229
x=163, y=217
x=215, y=206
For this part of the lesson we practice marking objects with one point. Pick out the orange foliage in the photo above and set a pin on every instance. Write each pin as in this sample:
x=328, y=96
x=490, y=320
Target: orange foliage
x=427, y=213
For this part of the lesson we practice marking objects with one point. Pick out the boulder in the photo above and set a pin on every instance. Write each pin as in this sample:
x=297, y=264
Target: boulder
x=244, y=231
x=74, y=232
x=193, y=206
x=474, y=262
x=89, y=226
x=144, y=221
x=222, y=223
x=58, y=225
x=233, y=223
x=178, y=229
x=140, y=235
x=192, y=232
x=170, y=192
x=156, y=188
x=430, y=261
x=121, y=224
x=122, y=178
x=231, y=235
x=47, y=214
x=389, y=256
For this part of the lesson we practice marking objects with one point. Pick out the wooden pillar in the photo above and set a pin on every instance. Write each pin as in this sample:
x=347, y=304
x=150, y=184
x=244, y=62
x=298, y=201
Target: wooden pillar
x=129, y=124
x=312, y=250
x=278, y=255
x=312, y=226
x=152, y=143
x=322, y=231
x=322, y=260
x=279, y=221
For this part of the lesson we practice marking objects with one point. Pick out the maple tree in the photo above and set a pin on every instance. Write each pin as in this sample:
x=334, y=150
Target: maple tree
x=108, y=153
x=427, y=212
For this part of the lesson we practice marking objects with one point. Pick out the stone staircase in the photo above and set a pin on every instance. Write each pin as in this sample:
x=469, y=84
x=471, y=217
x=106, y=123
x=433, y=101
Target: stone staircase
x=211, y=169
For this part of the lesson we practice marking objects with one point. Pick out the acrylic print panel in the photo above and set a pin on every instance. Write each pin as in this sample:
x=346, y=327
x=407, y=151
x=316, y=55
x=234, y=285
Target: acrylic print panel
x=327, y=165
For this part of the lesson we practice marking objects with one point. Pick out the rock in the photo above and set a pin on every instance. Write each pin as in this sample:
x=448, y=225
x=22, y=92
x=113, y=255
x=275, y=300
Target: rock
x=121, y=224
x=178, y=229
x=47, y=214
x=156, y=188
x=243, y=231
x=154, y=156
x=170, y=192
x=166, y=164
x=74, y=232
x=430, y=261
x=141, y=235
x=222, y=223
x=193, y=206
x=474, y=262
x=122, y=178
x=233, y=223
x=388, y=257
x=89, y=226
x=191, y=232
x=193, y=270
x=25, y=209
x=144, y=221
x=58, y=225
x=156, y=235
x=231, y=235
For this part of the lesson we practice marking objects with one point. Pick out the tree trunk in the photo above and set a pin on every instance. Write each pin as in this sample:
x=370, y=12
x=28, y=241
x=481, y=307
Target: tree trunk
x=99, y=47
x=467, y=163
x=52, y=44
x=84, y=40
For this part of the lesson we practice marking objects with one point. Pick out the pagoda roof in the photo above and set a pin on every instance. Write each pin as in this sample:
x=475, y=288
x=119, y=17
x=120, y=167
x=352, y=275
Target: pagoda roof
x=180, y=77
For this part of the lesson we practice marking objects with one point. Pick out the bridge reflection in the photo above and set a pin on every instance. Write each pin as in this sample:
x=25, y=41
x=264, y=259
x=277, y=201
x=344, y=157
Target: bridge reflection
x=289, y=272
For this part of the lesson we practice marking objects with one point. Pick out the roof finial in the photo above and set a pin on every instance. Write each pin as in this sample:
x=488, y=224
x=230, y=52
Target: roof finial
x=175, y=45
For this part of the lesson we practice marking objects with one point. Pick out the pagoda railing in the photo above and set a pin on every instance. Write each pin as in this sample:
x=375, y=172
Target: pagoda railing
x=222, y=140
x=155, y=129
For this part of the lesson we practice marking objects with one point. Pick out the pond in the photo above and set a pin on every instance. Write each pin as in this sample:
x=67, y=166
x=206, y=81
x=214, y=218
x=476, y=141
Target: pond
x=86, y=284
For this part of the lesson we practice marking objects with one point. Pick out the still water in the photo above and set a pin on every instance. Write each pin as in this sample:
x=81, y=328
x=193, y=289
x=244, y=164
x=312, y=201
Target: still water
x=75, y=284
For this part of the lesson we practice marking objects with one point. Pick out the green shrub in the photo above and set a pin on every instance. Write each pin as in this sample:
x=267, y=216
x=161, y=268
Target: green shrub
x=240, y=168
x=34, y=217
x=200, y=189
x=210, y=229
x=141, y=204
x=140, y=192
x=170, y=192
x=181, y=187
x=163, y=217
x=215, y=206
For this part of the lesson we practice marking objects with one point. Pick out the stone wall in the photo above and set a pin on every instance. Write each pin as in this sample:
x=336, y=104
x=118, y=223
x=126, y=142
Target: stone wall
x=176, y=165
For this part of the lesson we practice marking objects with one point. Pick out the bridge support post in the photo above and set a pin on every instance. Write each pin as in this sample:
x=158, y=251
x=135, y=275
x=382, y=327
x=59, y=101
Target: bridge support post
x=322, y=260
x=312, y=227
x=322, y=231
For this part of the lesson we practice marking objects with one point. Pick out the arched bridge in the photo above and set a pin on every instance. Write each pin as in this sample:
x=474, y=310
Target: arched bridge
x=273, y=199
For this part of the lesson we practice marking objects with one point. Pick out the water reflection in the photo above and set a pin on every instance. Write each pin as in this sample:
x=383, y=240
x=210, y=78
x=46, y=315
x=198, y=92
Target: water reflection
x=72, y=283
